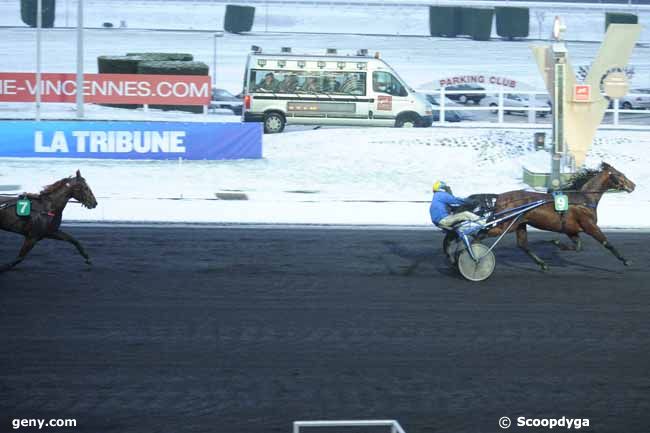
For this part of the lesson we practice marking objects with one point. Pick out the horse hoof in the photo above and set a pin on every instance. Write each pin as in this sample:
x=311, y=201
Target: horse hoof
x=88, y=262
x=544, y=267
x=627, y=262
x=556, y=242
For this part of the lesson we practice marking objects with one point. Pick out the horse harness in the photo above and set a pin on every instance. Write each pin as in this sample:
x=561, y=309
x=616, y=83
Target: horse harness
x=14, y=202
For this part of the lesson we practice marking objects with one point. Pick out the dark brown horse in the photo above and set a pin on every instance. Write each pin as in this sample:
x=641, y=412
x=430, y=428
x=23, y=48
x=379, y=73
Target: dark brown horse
x=46, y=213
x=584, y=191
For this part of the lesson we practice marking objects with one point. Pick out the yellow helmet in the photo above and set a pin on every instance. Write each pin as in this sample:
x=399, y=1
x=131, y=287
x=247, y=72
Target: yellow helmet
x=438, y=185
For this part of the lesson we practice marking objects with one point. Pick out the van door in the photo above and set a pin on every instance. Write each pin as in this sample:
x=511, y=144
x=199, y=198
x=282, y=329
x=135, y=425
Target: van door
x=391, y=98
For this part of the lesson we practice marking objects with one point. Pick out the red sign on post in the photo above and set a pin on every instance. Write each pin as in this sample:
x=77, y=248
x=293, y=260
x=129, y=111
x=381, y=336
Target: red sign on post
x=108, y=88
x=582, y=92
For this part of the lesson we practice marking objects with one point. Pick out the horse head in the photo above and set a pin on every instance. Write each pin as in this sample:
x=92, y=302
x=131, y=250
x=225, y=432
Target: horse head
x=81, y=191
x=615, y=179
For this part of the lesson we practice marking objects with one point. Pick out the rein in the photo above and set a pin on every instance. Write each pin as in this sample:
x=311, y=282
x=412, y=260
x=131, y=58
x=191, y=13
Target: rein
x=521, y=200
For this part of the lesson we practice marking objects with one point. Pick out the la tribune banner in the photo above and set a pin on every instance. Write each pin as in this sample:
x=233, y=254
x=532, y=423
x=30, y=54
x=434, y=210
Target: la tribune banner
x=130, y=140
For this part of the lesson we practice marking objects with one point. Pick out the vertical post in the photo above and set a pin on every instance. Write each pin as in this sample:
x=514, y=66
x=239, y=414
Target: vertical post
x=617, y=107
x=442, y=105
x=266, y=16
x=559, y=145
x=80, y=59
x=532, y=107
x=214, y=61
x=500, y=108
x=39, y=24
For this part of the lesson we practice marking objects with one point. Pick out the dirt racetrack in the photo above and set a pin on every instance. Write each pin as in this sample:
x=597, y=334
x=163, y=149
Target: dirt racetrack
x=245, y=329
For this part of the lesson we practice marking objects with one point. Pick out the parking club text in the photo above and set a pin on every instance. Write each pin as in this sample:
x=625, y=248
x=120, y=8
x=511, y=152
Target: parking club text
x=110, y=142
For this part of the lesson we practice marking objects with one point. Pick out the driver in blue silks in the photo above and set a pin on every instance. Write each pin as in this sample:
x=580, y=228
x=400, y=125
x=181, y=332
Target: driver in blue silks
x=442, y=201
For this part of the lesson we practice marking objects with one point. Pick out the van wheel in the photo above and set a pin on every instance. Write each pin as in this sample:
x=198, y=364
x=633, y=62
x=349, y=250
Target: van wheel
x=494, y=108
x=273, y=123
x=406, y=121
x=462, y=99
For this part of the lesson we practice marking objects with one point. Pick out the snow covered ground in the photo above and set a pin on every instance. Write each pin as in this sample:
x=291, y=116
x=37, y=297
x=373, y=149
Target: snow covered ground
x=338, y=176
x=326, y=176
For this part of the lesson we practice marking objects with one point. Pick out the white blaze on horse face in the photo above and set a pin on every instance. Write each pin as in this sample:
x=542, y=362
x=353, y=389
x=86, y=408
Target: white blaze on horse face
x=58, y=143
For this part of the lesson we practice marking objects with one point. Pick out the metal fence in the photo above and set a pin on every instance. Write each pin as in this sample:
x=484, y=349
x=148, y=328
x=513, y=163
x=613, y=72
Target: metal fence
x=499, y=103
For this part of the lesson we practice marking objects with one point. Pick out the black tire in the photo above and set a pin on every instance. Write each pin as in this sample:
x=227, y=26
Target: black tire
x=462, y=99
x=626, y=106
x=495, y=111
x=451, y=246
x=273, y=123
x=408, y=120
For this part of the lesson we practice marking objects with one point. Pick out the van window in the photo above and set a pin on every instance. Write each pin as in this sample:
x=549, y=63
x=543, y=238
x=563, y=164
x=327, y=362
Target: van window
x=308, y=82
x=385, y=82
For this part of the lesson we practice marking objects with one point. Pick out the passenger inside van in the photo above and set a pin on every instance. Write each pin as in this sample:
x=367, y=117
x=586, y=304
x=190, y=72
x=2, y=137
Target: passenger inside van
x=289, y=84
x=330, y=84
x=269, y=83
x=311, y=85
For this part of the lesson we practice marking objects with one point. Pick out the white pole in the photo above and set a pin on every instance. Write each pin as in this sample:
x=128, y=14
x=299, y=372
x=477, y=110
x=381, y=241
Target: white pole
x=501, y=102
x=39, y=24
x=442, y=104
x=532, y=105
x=214, y=61
x=80, y=60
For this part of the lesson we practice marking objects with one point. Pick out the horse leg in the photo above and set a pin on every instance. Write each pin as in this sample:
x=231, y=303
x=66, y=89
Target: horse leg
x=522, y=242
x=63, y=236
x=577, y=243
x=28, y=244
x=594, y=231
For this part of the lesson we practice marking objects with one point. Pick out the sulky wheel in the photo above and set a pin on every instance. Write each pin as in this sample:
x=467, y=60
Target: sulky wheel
x=476, y=270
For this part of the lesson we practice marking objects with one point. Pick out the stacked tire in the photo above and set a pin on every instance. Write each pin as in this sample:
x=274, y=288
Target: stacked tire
x=239, y=19
x=28, y=10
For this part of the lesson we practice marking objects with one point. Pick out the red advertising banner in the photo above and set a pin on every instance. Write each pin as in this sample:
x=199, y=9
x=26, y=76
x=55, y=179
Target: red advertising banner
x=108, y=88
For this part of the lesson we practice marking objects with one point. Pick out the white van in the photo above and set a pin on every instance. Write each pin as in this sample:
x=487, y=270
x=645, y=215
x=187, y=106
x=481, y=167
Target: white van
x=331, y=89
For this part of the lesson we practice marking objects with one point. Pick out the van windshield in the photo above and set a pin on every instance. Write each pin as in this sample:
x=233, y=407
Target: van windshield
x=385, y=82
x=308, y=82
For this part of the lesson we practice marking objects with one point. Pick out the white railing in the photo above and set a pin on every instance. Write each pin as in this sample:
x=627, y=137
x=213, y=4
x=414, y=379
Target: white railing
x=393, y=424
x=498, y=104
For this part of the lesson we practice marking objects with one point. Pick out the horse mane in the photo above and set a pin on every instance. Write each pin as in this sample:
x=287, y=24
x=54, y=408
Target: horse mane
x=55, y=186
x=583, y=176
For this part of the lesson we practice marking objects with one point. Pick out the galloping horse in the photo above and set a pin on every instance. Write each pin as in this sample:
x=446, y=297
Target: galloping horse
x=46, y=213
x=584, y=191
